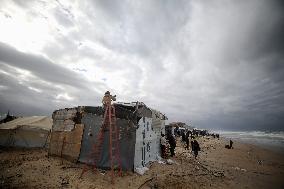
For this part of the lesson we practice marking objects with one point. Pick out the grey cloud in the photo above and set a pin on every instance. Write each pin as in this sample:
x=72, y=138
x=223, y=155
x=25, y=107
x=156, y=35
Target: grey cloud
x=40, y=66
x=213, y=64
x=63, y=18
x=63, y=15
x=22, y=101
x=19, y=95
x=24, y=4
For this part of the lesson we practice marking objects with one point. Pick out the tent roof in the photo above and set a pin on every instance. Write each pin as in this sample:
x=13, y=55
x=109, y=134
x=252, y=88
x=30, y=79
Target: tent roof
x=36, y=122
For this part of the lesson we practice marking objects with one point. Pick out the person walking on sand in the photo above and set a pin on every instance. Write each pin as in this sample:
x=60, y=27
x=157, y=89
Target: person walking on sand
x=187, y=140
x=196, y=148
x=183, y=137
x=191, y=142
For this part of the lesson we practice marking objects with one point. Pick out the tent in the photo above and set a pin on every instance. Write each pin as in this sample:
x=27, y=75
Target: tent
x=26, y=132
x=75, y=130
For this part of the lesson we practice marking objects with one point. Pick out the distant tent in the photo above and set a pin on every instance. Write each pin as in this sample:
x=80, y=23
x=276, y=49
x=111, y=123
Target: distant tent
x=26, y=132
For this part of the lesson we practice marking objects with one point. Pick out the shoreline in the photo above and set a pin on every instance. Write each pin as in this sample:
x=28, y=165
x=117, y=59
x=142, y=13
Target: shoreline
x=265, y=146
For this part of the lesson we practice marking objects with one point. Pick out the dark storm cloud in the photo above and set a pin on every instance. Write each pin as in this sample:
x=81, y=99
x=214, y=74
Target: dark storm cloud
x=25, y=95
x=39, y=93
x=20, y=100
x=40, y=67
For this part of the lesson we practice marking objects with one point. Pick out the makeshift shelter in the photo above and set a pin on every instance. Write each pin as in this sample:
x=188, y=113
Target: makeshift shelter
x=26, y=132
x=75, y=130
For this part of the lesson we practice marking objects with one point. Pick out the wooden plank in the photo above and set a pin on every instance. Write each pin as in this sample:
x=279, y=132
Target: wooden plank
x=71, y=146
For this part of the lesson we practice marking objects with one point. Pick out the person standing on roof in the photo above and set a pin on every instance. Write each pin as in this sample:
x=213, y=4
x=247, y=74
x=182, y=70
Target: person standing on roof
x=107, y=99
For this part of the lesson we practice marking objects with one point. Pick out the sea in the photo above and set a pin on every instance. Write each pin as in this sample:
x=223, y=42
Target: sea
x=269, y=140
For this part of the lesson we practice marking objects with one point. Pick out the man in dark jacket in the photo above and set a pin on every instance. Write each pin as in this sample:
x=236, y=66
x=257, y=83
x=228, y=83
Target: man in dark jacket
x=172, y=142
x=196, y=148
x=187, y=140
x=231, y=144
x=163, y=142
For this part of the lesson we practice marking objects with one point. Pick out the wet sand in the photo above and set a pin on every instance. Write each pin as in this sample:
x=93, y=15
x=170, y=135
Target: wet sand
x=245, y=166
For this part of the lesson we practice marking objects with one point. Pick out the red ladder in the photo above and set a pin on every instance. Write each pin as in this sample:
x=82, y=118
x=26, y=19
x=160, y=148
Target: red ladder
x=109, y=123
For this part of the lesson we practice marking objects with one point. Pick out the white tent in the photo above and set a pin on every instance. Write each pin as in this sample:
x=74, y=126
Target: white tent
x=26, y=132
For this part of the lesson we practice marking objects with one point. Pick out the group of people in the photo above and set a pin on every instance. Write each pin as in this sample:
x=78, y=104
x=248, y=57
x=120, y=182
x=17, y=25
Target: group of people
x=169, y=143
x=188, y=136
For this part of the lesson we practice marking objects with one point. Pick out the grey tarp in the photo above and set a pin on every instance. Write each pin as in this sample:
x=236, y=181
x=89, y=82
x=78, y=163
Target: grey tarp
x=24, y=138
x=127, y=136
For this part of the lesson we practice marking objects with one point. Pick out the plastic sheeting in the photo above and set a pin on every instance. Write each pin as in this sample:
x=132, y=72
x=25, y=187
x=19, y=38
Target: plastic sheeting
x=24, y=138
x=127, y=137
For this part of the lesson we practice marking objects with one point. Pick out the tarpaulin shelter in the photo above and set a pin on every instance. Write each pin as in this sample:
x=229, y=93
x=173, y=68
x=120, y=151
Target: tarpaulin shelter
x=26, y=132
x=75, y=131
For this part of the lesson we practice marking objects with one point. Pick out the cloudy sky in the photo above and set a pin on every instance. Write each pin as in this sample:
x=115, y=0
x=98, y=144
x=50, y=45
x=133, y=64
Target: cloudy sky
x=213, y=64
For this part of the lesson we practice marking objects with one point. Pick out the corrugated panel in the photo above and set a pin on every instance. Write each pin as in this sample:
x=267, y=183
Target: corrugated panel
x=70, y=146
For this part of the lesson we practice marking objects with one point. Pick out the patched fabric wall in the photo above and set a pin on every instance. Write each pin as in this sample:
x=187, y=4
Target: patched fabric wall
x=127, y=137
x=75, y=132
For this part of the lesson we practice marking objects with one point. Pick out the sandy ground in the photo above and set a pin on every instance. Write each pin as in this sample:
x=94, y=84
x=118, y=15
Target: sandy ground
x=245, y=166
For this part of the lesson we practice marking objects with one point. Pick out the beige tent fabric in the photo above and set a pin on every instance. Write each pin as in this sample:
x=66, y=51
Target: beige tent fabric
x=33, y=122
